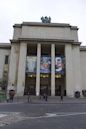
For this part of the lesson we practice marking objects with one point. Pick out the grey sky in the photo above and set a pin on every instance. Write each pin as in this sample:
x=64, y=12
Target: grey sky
x=61, y=11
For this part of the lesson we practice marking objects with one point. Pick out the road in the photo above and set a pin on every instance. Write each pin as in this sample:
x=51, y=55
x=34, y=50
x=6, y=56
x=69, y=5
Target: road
x=43, y=116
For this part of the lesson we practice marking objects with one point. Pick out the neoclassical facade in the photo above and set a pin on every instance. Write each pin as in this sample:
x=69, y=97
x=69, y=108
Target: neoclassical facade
x=46, y=57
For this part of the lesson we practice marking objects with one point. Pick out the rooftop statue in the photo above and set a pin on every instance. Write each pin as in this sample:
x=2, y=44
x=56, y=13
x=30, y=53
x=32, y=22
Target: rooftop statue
x=46, y=19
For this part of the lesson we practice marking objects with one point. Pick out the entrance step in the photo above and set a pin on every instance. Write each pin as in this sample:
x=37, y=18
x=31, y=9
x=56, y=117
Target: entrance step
x=51, y=99
x=36, y=98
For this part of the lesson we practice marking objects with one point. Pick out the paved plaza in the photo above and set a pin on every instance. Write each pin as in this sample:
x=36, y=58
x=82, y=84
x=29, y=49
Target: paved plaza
x=69, y=114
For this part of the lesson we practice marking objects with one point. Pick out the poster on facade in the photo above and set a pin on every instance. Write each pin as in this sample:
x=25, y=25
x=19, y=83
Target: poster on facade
x=45, y=66
x=59, y=65
x=31, y=63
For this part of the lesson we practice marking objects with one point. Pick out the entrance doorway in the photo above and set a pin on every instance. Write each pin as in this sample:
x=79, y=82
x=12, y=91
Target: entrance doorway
x=45, y=84
x=30, y=85
x=60, y=86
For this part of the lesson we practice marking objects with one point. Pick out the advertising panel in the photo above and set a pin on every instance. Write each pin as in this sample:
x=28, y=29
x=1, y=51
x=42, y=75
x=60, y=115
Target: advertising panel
x=59, y=65
x=45, y=66
x=31, y=63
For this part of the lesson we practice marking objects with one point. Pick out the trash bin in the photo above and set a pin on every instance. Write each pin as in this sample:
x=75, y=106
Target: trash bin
x=84, y=93
x=77, y=94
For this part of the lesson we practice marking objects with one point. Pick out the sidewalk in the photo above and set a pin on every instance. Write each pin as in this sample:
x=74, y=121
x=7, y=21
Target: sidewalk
x=51, y=100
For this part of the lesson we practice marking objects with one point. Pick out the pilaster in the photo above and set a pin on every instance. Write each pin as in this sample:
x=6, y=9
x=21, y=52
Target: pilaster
x=52, y=69
x=21, y=69
x=38, y=69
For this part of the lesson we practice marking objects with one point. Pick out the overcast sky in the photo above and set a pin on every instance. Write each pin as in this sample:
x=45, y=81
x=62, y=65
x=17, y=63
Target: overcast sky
x=60, y=11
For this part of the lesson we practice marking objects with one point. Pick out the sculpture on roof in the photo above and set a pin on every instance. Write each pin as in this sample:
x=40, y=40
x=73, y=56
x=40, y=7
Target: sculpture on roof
x=46, y=19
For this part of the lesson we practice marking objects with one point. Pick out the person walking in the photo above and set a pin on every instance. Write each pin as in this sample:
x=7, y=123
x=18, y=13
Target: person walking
x=7, y=98
x=45, y=96
x=61, y=97
x=28, y=97
x=11, y=93
x=62, y=94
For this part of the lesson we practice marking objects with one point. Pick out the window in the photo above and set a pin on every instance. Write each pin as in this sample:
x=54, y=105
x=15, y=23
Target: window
x=6, y=59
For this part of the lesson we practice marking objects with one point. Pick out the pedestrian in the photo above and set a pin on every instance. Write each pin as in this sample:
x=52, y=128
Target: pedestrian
x=11, y=93
x=28, y=97
x=46, y=97
x=62, y=94
x=7, y=99
x=61, y=97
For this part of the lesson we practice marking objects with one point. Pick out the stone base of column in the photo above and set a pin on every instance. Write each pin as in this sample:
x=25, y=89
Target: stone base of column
x=19, y=94
x=37, y=94
x=52, y=93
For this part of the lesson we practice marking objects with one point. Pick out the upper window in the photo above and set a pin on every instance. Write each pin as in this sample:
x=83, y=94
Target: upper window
x=6, y=59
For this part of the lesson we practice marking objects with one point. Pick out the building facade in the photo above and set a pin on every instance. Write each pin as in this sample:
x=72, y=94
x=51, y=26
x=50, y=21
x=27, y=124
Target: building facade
x=44, y=57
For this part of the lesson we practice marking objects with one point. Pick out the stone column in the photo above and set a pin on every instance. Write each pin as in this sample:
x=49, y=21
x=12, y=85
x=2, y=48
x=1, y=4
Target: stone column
x=76, y=68
x=38, y=69
x=13, y=65
x=52, y=69
x=69, y=70
x=21, y=69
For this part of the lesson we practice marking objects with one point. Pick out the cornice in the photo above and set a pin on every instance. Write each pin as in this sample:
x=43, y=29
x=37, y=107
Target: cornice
x=5, y=45
x=82, y=48
x=65, y=41
x=45, y=25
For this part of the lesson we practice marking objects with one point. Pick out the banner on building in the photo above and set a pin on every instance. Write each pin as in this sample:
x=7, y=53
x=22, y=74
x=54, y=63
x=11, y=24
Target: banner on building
x=45, y=66
x=59, y=65
x=31, y=64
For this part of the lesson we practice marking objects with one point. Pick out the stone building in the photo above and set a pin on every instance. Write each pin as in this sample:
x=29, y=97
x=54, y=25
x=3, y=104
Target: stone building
x=43, y=57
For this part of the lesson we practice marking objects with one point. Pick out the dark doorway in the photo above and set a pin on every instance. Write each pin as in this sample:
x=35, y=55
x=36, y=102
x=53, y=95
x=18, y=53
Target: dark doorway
x=30, y=85
x=45, y=85
x=60, y=86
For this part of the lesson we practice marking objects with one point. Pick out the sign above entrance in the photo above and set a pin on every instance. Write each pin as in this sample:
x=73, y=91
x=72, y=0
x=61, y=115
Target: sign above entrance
x=44, y=75
x=58, y=76
x=31, y=75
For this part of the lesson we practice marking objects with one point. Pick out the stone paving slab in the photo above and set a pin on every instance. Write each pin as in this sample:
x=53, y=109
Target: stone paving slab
x=8, y=118
x=14, y=117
